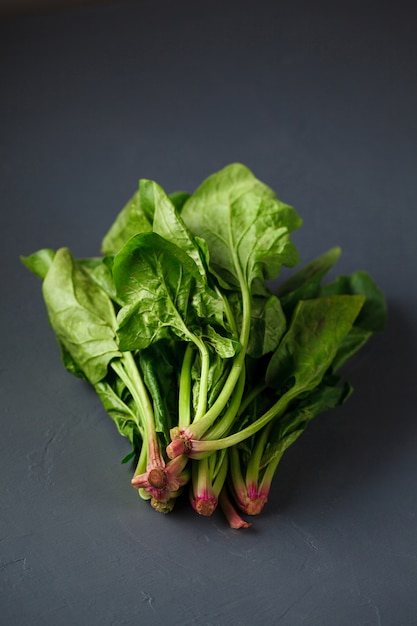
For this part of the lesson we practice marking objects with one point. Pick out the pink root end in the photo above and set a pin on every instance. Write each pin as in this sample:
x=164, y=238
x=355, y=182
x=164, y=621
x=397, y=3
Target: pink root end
x=177, y=447
x=255, y=506
x=232, y=516
x=158, y=478
x=204, y=507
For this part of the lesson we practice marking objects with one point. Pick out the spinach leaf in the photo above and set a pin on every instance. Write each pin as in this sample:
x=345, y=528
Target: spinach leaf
x=306, y=283
x=371, y=319
x=39, y=262
x=157, y=363
x=372, y=316
x=124, y=416
x=168, y=224
x=163, y=292
x=267, y=323
x=178, y=199
x=130, y=221
x=81, y=315
x=308, y=348
x=245, y=225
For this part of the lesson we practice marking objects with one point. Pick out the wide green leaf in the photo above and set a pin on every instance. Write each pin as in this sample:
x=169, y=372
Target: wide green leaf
x=163, y=291
x=81, y=315
x=308, y=348
x=373, y=314
x=245, y=225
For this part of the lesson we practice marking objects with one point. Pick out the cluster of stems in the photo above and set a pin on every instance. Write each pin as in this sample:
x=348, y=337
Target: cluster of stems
x=204, y=453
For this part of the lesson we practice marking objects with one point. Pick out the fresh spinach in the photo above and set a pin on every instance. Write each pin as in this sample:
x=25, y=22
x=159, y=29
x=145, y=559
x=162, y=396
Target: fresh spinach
x=209, y=374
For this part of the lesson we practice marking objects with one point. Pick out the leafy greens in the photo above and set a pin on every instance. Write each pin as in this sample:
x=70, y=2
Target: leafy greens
x=209, y=374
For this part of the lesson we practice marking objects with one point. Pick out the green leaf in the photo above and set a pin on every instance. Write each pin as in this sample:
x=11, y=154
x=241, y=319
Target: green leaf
x=354, y=340
x=305, y=284
x=126, y=421
x=168, y=224
x=226, y=347
x=307, y=350
x=267, y=324
x=81, y=315
x=39, y=262
x=99, y=269
x=178, y=199
x=157, y=364
x=162, y=290
x=130, y=221
x=244, y=224
x=374, y=311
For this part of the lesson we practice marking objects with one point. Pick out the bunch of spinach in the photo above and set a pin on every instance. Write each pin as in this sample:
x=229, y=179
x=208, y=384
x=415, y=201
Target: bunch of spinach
x=209, y=374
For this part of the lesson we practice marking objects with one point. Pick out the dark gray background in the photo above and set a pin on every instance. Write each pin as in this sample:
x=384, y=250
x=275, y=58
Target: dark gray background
x=319, y=100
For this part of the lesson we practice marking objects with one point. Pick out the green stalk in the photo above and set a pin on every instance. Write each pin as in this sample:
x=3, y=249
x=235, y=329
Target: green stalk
x=205, y=366
x=203, y=499
x=141, y=464
x=224, y=424
x=184, y=400
x=269, y=472
x=140, y=469
x=228, y=311
x=237, y=482
x=253, y=467
x=204, y=446
x=220, y=472
x=127, y=370
x=197, y=430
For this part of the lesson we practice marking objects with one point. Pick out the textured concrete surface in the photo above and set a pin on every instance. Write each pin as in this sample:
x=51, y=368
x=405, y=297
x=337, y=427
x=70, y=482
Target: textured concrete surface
x=319, y=100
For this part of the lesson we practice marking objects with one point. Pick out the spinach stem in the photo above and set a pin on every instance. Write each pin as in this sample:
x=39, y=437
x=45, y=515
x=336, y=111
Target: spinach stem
x=206, y=445
x=127, y=369
x=204, y=375
x=269, y=472
x=222, y=426
x=220, y=472
x=253, y=466
x=197, y=430
x=237, y=481
x=184, y=398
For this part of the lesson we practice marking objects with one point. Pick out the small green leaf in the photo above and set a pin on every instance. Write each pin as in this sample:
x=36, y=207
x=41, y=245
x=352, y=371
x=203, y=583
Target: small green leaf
x=178, y=199
x=168, y=224
x=39, y=262
x=130, y=221
x=244, y=224
x=305, y=284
